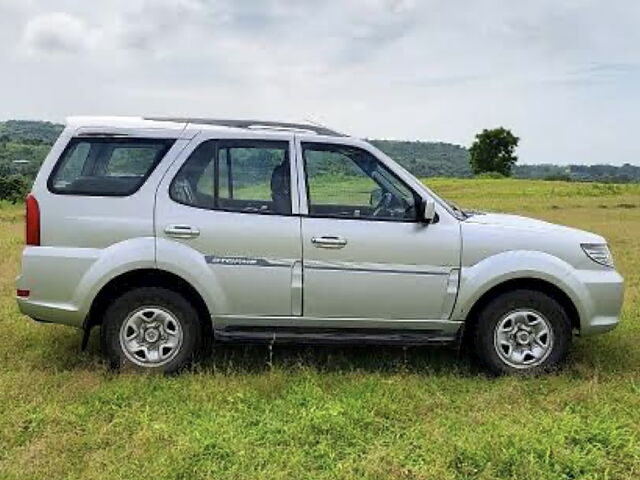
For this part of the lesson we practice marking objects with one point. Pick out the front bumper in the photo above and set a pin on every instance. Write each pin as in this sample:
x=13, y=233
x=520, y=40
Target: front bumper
x=602, y=296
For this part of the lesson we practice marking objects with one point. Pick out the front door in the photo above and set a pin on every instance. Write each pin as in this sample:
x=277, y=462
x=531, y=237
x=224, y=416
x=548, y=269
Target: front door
x=229, y=201
x=365, y=254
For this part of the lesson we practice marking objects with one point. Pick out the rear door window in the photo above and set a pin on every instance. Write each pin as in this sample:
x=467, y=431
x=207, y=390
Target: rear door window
x=249, y=176
x=106, y=166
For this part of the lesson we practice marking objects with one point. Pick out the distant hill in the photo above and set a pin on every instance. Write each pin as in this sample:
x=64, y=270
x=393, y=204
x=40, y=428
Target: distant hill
x=626, y=173
x=19, y=140
x=27, y=141
x=28, y=131
x=30, y=140
x=428, y=159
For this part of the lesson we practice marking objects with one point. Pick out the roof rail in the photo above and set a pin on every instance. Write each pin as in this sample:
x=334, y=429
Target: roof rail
x=253, y=124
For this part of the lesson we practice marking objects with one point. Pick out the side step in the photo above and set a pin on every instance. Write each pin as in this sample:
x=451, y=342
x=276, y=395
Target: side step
x=332, y=336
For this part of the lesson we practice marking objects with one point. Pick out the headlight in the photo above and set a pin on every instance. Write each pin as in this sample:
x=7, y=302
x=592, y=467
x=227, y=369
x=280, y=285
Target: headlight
x=599, y=253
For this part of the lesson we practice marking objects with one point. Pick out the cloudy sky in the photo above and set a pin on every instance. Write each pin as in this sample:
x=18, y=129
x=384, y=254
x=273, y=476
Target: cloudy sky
x=564, y=75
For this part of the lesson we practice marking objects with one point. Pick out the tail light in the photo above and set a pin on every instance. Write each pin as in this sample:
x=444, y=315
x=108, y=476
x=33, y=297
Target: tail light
x=33, y=221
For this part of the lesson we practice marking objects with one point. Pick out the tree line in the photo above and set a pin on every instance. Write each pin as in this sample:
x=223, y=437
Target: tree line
x=25, y=144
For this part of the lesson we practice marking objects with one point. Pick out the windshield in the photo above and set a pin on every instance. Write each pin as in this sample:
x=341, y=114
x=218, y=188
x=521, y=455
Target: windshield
x=462, y=213
x=452, y=207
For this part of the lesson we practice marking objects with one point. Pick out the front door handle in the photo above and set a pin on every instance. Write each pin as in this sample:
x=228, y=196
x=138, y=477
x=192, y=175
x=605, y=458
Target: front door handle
x=181, y=231
x=328, y=242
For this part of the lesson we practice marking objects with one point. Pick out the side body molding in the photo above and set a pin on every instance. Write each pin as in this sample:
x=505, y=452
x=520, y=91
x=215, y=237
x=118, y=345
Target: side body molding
x=477, y=279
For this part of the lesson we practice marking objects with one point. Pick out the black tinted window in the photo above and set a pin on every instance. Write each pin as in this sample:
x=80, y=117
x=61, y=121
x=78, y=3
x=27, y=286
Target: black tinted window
x=106, y=166
x=239, y=176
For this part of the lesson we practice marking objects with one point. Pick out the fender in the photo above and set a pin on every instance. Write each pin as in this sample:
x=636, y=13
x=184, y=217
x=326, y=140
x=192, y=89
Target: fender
x=190, y=264
x=478, y=279
x=140, y=253
x=119, y=258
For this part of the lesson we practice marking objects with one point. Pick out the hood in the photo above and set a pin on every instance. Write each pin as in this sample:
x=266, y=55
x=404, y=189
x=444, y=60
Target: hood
x=532, y=225
x=485, y=235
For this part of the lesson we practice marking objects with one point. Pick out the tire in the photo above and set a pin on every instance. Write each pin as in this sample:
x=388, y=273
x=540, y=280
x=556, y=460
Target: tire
x=151, y=329
x=522, y=332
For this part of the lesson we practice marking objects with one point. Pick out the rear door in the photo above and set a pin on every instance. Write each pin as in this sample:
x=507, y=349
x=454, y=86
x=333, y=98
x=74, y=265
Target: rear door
x=229, y=200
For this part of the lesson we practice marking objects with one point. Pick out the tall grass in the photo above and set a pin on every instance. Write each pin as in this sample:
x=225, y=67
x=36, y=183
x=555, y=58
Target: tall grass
x=330, y=413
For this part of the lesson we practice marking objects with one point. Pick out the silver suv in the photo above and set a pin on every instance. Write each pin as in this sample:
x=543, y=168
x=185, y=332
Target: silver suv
x=172, y=233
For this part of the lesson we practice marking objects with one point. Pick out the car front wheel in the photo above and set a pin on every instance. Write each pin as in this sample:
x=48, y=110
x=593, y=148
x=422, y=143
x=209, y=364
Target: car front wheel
x=522, y=332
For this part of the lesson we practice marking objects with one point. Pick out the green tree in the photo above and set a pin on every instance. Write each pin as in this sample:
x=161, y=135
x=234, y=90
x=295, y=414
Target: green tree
x=493, y=151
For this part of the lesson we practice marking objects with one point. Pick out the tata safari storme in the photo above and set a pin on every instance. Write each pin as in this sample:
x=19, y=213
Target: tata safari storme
x=170, y=234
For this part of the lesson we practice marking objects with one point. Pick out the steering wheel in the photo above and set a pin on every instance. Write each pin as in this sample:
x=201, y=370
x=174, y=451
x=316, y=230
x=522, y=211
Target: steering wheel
x=383, y=204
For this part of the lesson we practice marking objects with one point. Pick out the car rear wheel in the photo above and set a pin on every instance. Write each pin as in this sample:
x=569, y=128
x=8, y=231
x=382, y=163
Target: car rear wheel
x=522, y=332
x=151, y=328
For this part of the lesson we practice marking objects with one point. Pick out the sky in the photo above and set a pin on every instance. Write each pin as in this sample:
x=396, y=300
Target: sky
x=563, y=75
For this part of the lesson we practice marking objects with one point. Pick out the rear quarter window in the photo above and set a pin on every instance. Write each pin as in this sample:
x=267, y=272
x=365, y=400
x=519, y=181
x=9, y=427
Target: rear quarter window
x=106, y=166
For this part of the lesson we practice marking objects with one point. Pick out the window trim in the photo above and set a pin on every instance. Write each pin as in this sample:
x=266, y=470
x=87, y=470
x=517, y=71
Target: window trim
x=416, y=196
x=221, y=143
x=162, y=153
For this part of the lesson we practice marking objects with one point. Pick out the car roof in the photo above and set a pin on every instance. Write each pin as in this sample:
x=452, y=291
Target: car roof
x=180, y=123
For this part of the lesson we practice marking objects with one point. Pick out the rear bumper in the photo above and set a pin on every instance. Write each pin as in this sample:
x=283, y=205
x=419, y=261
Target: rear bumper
x=53, y=277
x=50, y=313
x=63, y=281
x=603, y=295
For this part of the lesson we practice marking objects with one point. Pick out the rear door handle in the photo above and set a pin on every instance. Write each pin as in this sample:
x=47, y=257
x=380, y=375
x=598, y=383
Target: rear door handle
x=181, y=231
x=328, y=242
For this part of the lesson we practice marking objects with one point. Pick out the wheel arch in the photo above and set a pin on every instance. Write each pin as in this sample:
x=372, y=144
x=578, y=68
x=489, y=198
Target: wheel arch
x=525, y=283
x=146, y=277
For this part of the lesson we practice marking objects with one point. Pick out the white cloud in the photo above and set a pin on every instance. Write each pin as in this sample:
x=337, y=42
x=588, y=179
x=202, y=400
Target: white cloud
x=58, y=32
x=154, y=24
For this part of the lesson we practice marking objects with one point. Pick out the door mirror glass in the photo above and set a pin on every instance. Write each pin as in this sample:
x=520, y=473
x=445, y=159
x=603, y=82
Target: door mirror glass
x=375, y=197
x=428, y=213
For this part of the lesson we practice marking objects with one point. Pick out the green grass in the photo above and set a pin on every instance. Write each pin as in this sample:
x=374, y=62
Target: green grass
x=324, y=413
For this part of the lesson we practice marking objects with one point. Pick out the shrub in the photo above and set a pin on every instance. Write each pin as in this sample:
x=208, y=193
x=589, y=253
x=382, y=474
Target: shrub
x=13, y=188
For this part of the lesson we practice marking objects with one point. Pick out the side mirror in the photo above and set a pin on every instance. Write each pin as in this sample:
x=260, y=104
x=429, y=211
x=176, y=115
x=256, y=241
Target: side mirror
x=375, y=197
x=427, y=211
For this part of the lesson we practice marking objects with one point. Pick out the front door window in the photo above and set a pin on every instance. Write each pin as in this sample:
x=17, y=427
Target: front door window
x=348, y=182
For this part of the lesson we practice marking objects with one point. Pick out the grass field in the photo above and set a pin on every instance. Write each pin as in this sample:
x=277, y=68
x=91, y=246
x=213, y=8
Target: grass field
x=323, y=413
